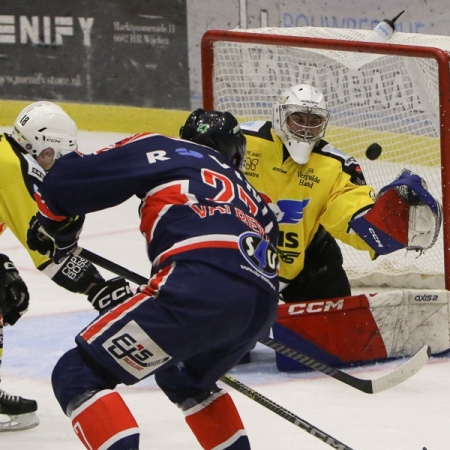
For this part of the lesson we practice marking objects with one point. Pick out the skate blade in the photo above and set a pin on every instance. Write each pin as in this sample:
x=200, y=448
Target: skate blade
x=18, y=422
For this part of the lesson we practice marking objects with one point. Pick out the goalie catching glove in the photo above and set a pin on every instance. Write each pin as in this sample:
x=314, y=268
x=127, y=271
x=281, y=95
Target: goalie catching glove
x=14, y=297
x=404, y=215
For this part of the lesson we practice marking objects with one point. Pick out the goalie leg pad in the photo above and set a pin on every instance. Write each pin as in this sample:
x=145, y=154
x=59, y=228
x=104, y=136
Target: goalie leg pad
x=335, y=331
x=216, y=423
x=364, y=328
x=105, y=422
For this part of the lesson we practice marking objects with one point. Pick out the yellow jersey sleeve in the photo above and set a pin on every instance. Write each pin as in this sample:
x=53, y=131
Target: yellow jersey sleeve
x=17, y=206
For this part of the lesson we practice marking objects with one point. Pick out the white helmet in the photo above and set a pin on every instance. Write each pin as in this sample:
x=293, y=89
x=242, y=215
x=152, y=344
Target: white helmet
x=42, y=125
x=300, y=137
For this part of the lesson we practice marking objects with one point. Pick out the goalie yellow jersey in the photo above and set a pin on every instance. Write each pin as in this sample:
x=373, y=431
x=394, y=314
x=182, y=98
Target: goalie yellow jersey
x=19, y=174
x=329, y=190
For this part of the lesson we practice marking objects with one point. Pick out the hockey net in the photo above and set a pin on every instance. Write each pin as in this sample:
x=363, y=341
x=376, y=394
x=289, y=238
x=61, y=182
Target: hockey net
x=395, y=94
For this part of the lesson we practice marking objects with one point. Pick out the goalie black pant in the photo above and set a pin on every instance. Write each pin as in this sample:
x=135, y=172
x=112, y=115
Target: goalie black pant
x=323, y=275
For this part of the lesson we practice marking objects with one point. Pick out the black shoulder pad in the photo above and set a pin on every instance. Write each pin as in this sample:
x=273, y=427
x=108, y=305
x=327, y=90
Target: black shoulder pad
x=349, y=164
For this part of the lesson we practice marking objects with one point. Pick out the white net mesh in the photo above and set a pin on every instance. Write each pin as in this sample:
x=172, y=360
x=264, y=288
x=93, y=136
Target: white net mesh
x=390, y=100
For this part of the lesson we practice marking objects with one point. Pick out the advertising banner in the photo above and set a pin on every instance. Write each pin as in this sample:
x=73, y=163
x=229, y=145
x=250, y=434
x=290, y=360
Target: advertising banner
x=420, y=16
x=95, y=51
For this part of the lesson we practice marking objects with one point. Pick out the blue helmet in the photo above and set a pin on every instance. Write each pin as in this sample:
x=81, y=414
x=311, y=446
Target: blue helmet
x=218, y=130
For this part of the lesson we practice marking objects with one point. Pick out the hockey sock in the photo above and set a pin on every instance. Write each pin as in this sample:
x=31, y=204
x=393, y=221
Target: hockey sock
x=216, y=423
x=104, y=421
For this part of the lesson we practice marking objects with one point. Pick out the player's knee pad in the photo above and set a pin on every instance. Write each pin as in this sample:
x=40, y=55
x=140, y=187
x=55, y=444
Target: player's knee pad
x=215, y=422
x=73, y=378
x=105, y=422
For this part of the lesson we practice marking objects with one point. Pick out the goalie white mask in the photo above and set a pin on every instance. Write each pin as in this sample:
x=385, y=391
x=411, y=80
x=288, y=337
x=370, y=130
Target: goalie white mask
x=42, y=125
x=300, y=118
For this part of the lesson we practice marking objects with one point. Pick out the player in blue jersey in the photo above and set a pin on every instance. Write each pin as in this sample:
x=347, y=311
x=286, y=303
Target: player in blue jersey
x=213, y=286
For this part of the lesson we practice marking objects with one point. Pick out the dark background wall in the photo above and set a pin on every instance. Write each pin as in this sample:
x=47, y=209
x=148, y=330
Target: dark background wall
x=130, y=52
x=146, y=53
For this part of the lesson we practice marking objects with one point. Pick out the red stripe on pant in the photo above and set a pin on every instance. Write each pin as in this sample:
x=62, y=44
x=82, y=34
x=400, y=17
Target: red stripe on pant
x=216, y=422
x=103, y=420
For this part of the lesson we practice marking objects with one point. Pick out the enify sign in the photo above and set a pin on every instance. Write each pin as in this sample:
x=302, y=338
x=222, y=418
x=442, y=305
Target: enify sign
x=44, y=30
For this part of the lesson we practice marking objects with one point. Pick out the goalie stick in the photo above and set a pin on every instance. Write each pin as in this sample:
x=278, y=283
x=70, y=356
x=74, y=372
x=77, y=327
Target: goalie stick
x=371, y=386
x=390, y=379
x=283, y=412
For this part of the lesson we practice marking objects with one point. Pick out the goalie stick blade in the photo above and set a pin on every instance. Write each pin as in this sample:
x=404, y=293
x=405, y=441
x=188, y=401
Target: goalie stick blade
x=403, y=372
x=391, y=379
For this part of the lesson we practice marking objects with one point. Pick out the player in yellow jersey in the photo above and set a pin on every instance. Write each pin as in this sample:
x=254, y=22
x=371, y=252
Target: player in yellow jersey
x=315, y=190
x=319, y=195
x=42, y=132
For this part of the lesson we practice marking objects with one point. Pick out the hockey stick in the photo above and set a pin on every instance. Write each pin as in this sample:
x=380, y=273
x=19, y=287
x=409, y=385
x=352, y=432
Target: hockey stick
x=387, y=381
x=282, y=412
x=390, y=379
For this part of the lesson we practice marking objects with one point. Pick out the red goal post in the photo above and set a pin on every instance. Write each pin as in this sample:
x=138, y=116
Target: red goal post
x=396, y=94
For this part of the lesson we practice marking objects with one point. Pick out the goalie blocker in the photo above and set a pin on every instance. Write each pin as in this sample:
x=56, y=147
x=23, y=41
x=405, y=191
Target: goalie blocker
x=363, y=328
x=404, y=215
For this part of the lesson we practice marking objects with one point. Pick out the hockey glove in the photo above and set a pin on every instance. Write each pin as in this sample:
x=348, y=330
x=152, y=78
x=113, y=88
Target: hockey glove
x=14, y=297
x=110, y=293
x=57, y=240
x=405, y=215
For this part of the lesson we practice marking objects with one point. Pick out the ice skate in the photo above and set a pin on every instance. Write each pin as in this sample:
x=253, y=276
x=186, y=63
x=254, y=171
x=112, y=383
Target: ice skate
x=17, y=413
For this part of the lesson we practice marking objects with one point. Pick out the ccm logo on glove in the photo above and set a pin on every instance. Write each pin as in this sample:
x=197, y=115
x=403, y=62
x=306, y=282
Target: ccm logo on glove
x=109, y=293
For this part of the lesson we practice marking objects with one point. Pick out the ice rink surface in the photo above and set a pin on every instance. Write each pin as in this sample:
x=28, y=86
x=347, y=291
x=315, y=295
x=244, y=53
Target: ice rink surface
x=410, y=416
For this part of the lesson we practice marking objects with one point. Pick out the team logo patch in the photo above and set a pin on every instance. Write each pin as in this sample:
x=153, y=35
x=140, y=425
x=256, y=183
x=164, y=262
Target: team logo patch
x=260, y=253
x=134, y=350
x=291, y=211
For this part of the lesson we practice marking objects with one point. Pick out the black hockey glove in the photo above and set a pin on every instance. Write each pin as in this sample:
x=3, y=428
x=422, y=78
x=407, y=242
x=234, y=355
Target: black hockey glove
x=108, y=294
x=57, y=240
x=14, y=297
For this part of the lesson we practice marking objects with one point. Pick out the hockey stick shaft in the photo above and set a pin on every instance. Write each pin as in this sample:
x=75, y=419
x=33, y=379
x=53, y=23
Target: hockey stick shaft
x=391, y=379
x=111, y=266
x=283, y=412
